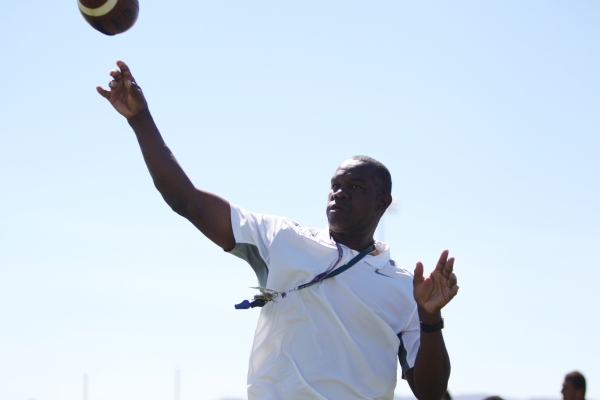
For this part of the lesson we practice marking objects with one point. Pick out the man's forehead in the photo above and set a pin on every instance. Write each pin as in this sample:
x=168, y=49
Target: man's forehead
x=355, y=168
x=350, y=162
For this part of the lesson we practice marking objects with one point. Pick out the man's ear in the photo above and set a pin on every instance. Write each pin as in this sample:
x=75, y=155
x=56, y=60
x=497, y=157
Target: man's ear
x=384, y=202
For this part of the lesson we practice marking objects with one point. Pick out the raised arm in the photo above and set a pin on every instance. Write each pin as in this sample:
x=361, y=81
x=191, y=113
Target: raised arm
x=208, y=212
x=429, y=377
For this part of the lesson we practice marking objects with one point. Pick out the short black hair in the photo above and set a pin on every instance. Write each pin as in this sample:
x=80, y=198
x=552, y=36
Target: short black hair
x=577, y=380
x=383, y=178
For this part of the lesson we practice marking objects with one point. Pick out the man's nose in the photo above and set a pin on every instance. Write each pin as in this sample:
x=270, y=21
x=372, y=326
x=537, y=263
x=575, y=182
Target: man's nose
x=341, y=192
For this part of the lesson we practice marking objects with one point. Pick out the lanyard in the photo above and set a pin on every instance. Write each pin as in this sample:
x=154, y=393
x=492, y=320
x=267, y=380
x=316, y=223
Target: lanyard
x=268, y=294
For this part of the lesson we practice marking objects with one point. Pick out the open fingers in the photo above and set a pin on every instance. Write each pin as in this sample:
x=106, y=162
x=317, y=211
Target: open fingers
x=418, y=278
x=125, y=71
x=116, y=74
x=112, y=87
x=451, y=282
x=449, y=267
x=453, y=291
x=442, y=261
x=104, y=93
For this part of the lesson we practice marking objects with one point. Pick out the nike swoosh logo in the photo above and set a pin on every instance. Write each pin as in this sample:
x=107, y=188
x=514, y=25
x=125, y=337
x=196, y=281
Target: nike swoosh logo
x=379, y=273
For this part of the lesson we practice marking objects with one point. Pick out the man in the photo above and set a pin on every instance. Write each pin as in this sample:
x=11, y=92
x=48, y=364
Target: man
x=573, y=387
x=344, y=313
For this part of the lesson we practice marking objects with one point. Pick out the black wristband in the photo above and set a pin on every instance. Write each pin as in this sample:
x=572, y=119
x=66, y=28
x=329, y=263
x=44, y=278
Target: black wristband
x=432, y=328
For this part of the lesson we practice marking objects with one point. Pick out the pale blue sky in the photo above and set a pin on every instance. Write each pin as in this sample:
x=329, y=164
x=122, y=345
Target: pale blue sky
x=486, y=113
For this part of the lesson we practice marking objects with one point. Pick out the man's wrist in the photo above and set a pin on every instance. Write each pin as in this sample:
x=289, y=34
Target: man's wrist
x=428, y=318
x=139, y=116
x=432, y=328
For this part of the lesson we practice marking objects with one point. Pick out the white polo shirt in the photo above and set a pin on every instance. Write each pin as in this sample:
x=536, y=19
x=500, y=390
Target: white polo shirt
x=338, y=339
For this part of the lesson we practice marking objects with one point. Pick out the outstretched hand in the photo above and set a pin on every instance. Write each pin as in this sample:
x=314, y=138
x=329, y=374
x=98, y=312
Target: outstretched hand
x=433, y=292
x=124, y=94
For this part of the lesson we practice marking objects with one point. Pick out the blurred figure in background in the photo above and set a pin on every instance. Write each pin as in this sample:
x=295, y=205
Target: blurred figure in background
x=493, y=398
x=573, y=386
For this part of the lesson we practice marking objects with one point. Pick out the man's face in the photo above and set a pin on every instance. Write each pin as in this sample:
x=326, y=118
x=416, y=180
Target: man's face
x=570, y=393
x=353, y=204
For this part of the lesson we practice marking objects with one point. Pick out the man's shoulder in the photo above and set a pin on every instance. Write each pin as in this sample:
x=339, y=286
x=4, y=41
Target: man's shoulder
x=269, y=222
x=400, y=272
x=401, y=278
x=293, y=231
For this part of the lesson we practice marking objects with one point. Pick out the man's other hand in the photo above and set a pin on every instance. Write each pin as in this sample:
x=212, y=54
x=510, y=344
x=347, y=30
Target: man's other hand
x=433, y=292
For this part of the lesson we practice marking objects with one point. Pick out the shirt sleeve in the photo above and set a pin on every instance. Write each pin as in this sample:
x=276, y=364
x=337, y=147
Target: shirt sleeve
x=253, y=235
x=409, y=344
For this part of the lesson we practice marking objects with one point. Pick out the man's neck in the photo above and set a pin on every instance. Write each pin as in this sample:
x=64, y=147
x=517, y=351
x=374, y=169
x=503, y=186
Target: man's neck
x=358, y=243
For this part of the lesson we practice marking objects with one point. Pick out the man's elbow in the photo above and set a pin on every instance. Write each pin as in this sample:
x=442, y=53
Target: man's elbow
x=432, y=388
x=431, y=395
x=433, y=391
x=180, y=207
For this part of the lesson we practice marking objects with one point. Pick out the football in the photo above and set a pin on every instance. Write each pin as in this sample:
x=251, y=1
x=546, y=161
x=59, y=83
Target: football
x=110, y=17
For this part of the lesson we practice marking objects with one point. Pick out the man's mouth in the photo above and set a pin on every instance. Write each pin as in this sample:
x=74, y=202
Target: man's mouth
x=335, y=207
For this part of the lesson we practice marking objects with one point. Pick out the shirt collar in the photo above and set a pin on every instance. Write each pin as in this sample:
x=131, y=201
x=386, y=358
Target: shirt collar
x=377, y=261
x=382, y=256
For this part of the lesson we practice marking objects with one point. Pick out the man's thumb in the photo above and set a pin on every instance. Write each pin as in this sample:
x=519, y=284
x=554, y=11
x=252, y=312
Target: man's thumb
x=418, y=278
